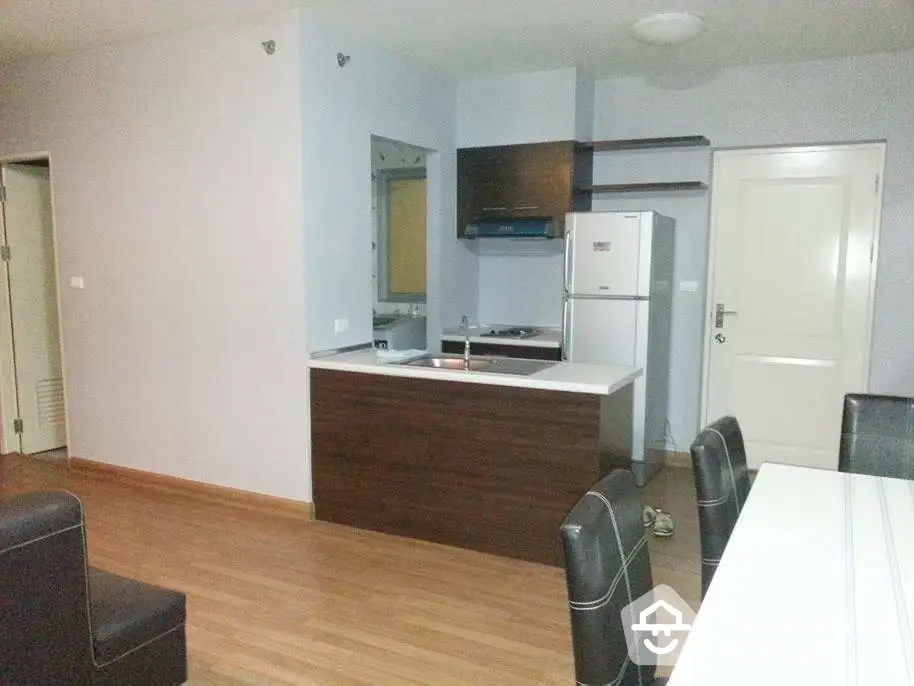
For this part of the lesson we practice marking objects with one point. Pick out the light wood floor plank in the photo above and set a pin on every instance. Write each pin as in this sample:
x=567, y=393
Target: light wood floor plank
x=273, y=601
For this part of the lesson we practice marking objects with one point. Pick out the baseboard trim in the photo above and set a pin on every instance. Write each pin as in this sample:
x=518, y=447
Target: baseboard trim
x=243, y=500
x=647, y=469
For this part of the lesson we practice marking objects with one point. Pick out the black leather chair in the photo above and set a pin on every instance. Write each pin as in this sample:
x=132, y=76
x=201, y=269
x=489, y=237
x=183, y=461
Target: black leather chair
x=63, y=623
x=877, y=436
x=607, y=566
x=721, y=486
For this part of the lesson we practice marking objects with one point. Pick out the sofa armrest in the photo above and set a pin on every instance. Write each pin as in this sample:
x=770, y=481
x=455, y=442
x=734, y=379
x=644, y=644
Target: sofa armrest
x=44, y=617
x=32, y=516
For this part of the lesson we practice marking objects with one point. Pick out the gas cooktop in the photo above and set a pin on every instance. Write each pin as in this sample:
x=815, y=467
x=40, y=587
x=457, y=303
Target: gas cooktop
x=514, y=332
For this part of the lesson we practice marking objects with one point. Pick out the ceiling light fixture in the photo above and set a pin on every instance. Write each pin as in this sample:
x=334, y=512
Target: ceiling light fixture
x=668, y=28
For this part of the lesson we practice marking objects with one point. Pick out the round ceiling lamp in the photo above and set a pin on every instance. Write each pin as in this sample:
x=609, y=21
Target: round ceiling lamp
x=668, y=28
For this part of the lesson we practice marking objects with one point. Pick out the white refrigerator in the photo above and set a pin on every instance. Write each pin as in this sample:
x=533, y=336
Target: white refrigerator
x=617, y=310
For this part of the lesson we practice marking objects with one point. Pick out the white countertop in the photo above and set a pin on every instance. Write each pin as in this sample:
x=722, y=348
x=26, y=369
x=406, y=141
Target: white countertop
x=593, y=379
x=550, y=338
x=815, y=587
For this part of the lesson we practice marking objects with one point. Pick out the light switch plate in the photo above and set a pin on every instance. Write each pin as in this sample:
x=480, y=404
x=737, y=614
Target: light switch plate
x=688, y=286
x=77, y=282
x=340, y=325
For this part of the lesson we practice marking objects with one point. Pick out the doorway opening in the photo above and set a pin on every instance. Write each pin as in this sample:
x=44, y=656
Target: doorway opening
x=32, y=406
x=399, y=240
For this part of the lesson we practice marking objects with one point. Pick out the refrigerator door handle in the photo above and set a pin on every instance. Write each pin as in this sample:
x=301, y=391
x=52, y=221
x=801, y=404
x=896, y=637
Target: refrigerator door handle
x=566, y=329
x=569, y=244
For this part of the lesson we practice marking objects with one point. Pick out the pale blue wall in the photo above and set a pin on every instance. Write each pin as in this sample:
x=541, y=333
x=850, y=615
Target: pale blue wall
x=384, y=94
x=852, y=99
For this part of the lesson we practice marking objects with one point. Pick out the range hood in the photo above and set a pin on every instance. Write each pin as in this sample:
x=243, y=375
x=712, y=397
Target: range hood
x=539, y=227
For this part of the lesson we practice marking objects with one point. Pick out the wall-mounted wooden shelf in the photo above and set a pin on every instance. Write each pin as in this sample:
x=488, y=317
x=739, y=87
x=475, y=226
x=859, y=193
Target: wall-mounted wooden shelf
x=621, y=144
x=654, y=187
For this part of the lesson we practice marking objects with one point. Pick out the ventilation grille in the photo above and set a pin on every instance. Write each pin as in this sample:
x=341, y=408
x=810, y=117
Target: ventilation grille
x=50, y=402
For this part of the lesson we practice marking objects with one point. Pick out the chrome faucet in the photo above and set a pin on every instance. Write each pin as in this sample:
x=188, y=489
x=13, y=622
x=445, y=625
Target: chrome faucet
x=465, y=330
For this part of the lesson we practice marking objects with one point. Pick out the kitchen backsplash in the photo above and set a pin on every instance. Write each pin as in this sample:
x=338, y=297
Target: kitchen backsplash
x=520, y=282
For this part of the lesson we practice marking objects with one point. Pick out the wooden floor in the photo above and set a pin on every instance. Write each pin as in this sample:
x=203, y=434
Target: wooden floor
x=276, y=602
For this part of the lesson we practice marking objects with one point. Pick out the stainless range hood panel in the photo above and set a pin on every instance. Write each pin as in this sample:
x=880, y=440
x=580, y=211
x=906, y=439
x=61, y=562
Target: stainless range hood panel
x=511, y=227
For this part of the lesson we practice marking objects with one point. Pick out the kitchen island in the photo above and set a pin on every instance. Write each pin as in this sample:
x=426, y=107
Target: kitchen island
x=490, y=462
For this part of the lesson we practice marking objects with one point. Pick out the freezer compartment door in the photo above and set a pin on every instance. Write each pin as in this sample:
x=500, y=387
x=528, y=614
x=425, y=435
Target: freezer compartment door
x=606, y=331
x=605, y=254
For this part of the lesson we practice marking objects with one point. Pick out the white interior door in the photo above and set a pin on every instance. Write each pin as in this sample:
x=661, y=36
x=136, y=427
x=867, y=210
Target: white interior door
x=792, y=263
x=32, y=290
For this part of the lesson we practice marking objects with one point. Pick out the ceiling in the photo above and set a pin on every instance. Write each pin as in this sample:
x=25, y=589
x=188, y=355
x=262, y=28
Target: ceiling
x=40, y=27
x=470, y=37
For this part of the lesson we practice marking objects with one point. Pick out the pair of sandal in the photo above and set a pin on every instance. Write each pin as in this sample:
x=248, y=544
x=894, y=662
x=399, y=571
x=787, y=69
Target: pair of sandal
x=658, y=521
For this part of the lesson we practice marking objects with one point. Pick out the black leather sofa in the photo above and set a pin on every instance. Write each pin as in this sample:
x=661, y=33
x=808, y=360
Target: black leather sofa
x=62, y=622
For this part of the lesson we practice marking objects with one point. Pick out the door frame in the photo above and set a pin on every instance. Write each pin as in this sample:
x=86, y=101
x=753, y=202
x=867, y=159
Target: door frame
x=9, y=441
x=714, y=229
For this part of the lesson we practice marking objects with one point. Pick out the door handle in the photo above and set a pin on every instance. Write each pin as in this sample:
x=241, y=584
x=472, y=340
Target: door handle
x=566, y=329
x=526, y=208
x=719, y=314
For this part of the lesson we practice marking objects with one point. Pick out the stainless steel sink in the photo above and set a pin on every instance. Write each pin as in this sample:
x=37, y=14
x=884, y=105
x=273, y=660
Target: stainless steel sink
x=455, y=363
x=490, y=365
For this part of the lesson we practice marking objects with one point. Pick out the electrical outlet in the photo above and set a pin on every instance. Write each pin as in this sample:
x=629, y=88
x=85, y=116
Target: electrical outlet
x=340, y=325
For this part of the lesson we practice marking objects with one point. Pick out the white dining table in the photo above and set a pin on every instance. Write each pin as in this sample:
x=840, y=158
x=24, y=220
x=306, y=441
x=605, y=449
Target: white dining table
x=816, y=586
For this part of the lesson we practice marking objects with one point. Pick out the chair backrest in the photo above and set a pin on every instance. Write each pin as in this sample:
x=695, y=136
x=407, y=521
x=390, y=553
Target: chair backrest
x=607, y=566
x=877, y=436
x=44, y=616
x=721, y=487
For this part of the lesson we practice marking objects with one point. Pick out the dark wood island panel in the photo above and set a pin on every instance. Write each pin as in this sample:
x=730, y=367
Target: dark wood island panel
x=485, y=467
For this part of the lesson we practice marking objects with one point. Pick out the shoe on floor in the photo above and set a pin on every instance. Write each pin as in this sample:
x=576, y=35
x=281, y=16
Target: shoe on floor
x=662, y=526
x=649, y=514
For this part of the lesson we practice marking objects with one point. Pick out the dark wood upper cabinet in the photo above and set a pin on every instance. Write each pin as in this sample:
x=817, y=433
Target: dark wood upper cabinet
x=517, y=181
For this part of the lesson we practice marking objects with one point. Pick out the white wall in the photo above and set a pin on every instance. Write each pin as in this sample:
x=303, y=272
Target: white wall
x=177, y=195
x=853, y=99
x=520, y=282
x=387, y=95
x=517, y=108
x=585, y=93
